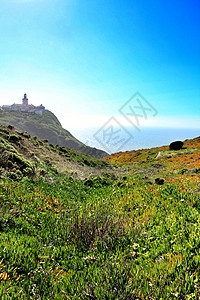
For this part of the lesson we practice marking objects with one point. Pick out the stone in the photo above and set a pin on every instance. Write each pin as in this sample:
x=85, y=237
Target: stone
x=159, y=181
x=88, y=182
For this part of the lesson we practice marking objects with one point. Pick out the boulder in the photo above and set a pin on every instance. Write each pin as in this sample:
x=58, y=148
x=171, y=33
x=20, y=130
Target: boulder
x=177, y=145
x=159, y=181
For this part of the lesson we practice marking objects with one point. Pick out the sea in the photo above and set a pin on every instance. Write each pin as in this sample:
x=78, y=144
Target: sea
x=120, y=139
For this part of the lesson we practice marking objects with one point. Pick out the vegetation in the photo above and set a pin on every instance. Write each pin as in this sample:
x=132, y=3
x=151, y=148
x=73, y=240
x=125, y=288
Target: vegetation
x=117, y=234
x=23, y=155
x=46, y=126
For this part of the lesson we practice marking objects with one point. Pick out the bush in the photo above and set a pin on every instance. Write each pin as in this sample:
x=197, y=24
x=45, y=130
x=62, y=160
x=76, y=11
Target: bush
x=106, y=232
x=26, y=134
x=10, y=159
x=13, y=176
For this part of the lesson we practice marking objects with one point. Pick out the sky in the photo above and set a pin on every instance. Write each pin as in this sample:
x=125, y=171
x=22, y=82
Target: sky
x=84, y=59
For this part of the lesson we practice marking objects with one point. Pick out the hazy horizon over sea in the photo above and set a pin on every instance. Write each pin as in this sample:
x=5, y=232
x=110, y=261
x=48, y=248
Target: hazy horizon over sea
x=128, y=139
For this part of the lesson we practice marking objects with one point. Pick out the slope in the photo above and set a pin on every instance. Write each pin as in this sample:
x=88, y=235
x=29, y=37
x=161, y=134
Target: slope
x=134, y=239
x=161, y=161
x=47, y=126
x=22, y=155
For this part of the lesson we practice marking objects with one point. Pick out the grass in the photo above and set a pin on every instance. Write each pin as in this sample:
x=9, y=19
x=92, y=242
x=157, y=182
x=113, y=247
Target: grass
x=46, y=126
x=20, y=151
x=67, y=240
x=109, y=237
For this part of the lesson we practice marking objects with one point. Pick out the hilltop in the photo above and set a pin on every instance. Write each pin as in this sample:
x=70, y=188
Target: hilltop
x=46, y=126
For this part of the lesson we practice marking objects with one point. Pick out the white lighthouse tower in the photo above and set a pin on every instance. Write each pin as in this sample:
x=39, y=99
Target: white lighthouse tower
x=25, y=100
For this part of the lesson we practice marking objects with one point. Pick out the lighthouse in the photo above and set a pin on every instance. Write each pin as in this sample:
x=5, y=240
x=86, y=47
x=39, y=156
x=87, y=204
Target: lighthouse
x=25, y=100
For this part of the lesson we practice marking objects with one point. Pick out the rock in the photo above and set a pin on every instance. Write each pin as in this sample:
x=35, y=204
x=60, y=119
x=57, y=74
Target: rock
x=159, y=181
x=88, y=182
x=149, y=182
x=177, y=145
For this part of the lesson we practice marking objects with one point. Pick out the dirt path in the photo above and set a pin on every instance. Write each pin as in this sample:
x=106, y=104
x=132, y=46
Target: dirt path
x=159, y=154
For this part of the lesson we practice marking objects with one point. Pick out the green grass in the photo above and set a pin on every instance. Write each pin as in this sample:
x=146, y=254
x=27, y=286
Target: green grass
x=74, y=227
x=66, y=240
x=46, y=126
x=19, y=152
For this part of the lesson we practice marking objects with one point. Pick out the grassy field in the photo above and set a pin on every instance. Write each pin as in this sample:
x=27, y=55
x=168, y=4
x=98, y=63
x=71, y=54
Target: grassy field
x=118, y=236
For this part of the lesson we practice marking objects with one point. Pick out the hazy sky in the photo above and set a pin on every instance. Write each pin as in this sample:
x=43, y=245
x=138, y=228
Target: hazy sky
x=83, y=59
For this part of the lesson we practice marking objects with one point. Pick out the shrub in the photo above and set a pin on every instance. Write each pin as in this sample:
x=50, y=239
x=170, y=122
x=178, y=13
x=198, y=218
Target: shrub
x=106, y=232
x=14, y=159
x=48, y=161
x=13, y=175
x=26, y=134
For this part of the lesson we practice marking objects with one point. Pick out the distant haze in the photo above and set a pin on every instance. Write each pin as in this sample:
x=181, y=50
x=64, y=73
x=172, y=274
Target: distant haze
x=147, y=138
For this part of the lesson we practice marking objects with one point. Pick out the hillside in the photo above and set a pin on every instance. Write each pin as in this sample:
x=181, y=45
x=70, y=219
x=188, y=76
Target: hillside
x=22, y=155
x=130, y=231
x=161, y=160
x=46, y=126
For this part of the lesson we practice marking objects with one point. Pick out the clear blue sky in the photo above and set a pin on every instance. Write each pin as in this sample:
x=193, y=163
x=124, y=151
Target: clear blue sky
x=83, y=59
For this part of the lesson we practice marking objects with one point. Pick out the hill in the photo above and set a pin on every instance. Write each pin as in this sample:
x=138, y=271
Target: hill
x=46, y=126
x=22, y=155
x=161, y=160
x=120, y=233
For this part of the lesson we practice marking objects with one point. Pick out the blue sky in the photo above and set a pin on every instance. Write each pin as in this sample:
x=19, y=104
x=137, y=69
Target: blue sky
x=84, y=59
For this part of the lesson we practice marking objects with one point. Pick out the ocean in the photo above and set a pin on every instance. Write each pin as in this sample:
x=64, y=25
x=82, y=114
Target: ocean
x=116, y=139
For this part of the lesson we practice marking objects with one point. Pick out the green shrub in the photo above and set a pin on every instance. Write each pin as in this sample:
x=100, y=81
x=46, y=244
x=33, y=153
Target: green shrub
x=13, y=175
x=26, y=135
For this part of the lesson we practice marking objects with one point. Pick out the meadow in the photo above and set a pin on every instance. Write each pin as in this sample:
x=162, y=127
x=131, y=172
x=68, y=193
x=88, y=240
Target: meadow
x=108, y=237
